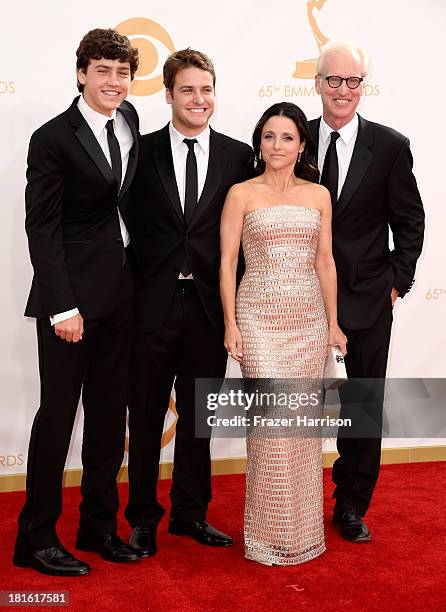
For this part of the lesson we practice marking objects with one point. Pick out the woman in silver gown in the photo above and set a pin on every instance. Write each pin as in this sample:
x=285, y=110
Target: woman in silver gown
x=279, y=325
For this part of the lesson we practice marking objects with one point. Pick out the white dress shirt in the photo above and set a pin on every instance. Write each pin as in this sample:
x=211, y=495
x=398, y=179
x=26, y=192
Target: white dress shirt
x=179, y=155
x=344, y=146
x=97, y=122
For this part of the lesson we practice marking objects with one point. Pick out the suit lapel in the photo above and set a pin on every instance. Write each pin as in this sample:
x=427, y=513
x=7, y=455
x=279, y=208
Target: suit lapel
x=217, y=163
x=361, y=158
x=88, y=140
x=133, y=154
x=314, y=131
x=93, y=148
x=216, y=170
x=162, y=157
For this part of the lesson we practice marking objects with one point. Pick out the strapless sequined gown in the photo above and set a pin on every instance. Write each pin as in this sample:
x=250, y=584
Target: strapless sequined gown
x=281, y=316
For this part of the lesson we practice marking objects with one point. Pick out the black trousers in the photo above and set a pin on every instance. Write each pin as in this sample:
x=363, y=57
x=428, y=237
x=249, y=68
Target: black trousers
x=184, y=348
x=98, y=367
x=356, y=471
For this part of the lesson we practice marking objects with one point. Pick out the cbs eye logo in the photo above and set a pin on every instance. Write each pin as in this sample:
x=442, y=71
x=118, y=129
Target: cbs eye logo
x=149, y=38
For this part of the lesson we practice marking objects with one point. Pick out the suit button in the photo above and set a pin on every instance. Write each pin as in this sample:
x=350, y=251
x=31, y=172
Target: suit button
x=119, y=240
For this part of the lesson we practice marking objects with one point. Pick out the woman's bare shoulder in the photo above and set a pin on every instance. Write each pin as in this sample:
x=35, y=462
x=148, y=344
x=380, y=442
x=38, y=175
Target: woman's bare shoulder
x=318, y=192
x=243, y=189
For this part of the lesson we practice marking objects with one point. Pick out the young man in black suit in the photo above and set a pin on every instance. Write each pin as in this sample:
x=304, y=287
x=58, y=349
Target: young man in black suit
x=367, y=168
x=184, y=173
x=78, y=218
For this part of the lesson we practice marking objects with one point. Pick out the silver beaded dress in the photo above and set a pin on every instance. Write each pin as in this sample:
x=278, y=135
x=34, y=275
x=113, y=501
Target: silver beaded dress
x=281, y=316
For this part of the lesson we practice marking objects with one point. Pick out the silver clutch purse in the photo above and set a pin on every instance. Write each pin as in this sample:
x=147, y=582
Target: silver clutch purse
x=335, y=373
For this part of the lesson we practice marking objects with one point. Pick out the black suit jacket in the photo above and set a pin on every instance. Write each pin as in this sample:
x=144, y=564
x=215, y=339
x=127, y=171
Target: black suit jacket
x=161, y=236
x=380, y=190
x=72, y=221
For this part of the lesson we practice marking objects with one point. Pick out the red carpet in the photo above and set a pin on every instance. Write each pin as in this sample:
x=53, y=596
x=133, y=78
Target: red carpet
x=402, y=569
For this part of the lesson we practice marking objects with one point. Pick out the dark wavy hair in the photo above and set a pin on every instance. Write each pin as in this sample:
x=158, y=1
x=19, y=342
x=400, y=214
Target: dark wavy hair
x=107, y=44
x=306, y=168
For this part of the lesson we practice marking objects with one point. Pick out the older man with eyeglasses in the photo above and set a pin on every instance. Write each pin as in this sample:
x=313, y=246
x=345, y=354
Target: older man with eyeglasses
x=367, y=167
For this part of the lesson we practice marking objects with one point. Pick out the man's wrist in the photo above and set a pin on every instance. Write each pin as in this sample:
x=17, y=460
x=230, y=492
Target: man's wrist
x=63, y=316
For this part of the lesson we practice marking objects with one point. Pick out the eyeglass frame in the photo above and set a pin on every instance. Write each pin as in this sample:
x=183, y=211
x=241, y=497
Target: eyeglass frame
x=326, y=77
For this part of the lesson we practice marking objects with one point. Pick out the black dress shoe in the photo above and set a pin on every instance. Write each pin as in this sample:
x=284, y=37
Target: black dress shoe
x=143, y=540
x=108, y=545
x=353, y=527
x=200, y=531
x=55, y=561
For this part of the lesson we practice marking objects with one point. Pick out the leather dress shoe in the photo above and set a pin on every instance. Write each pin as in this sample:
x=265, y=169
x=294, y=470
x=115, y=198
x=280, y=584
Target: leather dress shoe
x=143, y=540
x=108, y=545
x=352, y=526
x=55, y=561
x=201, y=531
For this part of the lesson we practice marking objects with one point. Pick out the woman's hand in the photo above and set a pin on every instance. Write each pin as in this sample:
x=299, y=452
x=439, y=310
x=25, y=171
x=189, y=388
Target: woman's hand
x=336, y=337
x=233, y=342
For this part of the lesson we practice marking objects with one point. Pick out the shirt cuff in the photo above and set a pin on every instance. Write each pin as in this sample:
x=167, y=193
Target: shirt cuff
x=63, y=316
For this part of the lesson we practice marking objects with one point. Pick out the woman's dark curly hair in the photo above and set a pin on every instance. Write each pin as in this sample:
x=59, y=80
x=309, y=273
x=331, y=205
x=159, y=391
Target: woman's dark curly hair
x=108, y=44
x=306, y=168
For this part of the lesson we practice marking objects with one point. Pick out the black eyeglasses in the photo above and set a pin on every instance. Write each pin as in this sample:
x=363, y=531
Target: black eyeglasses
x=336, y=81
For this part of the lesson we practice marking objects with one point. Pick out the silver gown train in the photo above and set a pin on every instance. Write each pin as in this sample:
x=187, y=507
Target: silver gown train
x=281, y=316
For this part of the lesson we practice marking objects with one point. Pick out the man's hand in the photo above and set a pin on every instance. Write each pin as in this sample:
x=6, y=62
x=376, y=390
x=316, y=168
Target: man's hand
x=395, y=293
x=71, y=329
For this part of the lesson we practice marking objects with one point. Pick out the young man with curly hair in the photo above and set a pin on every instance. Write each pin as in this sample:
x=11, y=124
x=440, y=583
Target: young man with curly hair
x=78, y=219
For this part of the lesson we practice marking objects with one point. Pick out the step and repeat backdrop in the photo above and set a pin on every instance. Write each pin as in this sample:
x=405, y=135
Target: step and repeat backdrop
x=263, y=52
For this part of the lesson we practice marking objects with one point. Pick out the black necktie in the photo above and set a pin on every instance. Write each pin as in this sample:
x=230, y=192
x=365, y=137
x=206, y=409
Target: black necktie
x=191, y=193
x=330, y=171
x=115, y=152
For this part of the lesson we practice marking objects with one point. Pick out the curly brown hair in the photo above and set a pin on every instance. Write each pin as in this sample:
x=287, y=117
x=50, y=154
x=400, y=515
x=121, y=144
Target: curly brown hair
x=186, y=58
x=107, y=44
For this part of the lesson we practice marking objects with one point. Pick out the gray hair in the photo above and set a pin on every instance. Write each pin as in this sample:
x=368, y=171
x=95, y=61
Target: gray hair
x=342, y=47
